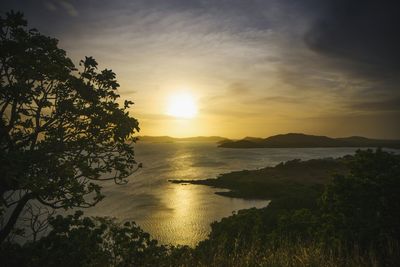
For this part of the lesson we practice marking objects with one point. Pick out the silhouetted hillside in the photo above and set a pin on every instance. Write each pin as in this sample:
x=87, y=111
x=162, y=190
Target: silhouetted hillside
x=287, y=179
x=298, y=140
x=253, y=139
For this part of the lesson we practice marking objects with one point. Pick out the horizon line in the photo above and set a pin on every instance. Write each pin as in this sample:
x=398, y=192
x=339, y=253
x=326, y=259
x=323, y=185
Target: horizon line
x=248, y=136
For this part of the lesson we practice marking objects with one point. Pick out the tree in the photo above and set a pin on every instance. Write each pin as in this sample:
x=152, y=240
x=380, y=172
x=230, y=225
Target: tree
x=75, y=240
x=363, y=207
x=61, y=130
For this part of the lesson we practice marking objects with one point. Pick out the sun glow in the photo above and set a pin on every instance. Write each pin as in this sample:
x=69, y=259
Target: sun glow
x=181, y=105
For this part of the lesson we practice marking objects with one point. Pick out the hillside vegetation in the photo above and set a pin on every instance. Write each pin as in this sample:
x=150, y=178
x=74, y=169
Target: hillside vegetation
x=295, y=179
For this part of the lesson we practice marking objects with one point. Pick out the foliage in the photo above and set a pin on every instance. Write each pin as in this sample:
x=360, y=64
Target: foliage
x=82, y=241
x=60, y=129
x=364, y=206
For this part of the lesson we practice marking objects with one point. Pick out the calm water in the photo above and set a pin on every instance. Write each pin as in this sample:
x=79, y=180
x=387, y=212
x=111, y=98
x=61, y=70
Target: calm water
x=181, y=214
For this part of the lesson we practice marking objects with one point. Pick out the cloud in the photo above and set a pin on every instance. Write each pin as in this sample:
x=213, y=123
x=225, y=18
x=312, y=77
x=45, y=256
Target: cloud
x=128, y=92
x=238, y=89
x=65, y=5
x=49, y=5
x=378, y=105
x=279, y=99
x=69, y=8
x=366, y=32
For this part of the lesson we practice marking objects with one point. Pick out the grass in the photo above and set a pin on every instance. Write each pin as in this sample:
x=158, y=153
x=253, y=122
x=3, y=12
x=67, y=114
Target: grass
x=289, y=254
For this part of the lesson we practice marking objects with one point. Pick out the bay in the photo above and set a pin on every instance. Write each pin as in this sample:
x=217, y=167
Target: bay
x=181, y=214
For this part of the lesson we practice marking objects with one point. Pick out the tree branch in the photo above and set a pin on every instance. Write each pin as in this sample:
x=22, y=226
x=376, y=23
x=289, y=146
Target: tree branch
x=14, y=216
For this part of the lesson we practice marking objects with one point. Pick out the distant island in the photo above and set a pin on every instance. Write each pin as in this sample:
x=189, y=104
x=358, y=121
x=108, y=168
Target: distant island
x=299, y=140
x=169, y=139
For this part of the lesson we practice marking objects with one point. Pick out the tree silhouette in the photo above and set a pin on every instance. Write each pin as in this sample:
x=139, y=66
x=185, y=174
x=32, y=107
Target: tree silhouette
x=61, y=130
x=363, y=207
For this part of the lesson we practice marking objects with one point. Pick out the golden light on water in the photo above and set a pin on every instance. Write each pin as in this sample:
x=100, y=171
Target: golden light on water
x=181, y=105
x=183, y=201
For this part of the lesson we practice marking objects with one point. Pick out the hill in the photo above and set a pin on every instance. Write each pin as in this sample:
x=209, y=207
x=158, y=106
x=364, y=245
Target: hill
x=299, y=140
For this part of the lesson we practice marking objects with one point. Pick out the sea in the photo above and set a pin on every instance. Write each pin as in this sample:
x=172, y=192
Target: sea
x=182, y=213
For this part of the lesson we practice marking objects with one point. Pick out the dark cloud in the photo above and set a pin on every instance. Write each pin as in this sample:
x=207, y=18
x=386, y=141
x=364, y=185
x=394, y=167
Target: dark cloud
x=69, y=8
x=380, y=105
x=359, y=40
x=365, y=31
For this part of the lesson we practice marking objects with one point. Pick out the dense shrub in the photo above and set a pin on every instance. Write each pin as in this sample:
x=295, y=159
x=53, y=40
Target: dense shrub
x=81, y=241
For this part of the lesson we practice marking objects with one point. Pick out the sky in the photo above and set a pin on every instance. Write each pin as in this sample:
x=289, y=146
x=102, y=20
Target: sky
x=250, y=67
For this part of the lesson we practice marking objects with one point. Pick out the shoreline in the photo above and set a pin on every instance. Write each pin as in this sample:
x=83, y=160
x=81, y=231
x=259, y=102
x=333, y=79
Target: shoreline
x=286, y=180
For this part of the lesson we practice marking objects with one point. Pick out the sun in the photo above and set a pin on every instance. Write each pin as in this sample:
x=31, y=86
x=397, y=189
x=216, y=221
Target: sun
x=182, y=105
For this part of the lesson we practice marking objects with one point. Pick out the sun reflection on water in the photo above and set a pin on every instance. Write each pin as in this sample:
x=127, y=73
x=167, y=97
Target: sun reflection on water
x=174, y=213
x=183, y=199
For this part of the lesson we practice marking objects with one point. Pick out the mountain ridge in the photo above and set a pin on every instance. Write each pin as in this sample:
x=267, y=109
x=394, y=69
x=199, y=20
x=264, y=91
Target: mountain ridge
x=300, y=140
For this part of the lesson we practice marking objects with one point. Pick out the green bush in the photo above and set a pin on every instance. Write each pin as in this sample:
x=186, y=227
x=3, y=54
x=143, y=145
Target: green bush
x=81, y=241
x=364, y=206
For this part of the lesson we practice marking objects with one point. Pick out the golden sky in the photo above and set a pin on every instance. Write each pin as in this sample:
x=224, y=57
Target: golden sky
x=252, y=68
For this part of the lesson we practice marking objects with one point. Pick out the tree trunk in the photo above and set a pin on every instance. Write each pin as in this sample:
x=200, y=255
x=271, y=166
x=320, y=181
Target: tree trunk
x=14, y=217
